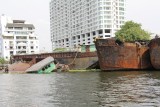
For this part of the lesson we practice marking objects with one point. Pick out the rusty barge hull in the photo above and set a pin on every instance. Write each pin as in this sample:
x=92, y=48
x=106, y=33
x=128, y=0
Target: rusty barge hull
x=126, y=56
x=154, y=49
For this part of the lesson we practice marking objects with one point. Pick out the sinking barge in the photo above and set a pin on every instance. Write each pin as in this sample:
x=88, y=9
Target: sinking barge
x=115, y=55
x=75, y=60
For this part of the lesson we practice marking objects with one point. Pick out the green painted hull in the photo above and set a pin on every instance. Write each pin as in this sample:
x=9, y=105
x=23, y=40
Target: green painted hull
x=47, y=69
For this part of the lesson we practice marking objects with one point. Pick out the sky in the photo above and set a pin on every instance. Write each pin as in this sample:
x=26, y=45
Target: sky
x=36, y=12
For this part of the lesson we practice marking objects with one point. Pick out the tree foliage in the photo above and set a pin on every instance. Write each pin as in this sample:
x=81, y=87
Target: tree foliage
x=132, y=31
x=2, y=61
x=60, y=50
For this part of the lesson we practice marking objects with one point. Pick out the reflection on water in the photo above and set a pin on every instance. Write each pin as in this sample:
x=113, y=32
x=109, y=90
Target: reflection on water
x=90, y=89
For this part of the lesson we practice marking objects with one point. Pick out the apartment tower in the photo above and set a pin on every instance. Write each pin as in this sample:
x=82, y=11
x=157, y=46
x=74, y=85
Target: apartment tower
x=17, y=37
x=78, y=22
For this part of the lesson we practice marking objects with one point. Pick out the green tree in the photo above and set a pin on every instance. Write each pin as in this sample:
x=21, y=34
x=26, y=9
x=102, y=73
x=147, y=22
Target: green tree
x=60, y=50
x=132, y=31
x=2, y=61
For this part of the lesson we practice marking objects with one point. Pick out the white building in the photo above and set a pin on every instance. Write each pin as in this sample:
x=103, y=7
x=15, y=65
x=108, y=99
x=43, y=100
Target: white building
x=77, y=22
x=17, y=37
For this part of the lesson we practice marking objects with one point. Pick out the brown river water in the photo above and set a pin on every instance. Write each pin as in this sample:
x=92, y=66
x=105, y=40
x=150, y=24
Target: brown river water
x=83, y=89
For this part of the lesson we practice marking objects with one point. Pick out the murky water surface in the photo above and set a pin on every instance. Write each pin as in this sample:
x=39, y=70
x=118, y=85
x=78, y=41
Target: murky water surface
x=89, y=89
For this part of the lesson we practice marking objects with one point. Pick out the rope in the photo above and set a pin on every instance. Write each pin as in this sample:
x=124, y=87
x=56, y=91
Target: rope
x=74, y=59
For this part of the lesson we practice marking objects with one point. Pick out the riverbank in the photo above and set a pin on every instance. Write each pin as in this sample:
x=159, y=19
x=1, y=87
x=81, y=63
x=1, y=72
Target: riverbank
x=78, y=70
x=85, y=70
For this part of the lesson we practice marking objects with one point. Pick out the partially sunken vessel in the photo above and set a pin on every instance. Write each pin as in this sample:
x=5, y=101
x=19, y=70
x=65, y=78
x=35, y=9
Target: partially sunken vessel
x=46, y=65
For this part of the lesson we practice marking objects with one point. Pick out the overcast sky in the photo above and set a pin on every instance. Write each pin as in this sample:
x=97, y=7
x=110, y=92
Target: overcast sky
x=36, y=12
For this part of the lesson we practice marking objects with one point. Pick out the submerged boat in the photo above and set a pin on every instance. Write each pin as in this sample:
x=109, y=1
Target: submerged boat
x=154, y=49
x=44, y=66
x=116, y=55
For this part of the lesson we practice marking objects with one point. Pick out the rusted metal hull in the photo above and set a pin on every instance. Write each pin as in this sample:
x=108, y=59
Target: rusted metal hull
x=126, y=56
x=154, y=48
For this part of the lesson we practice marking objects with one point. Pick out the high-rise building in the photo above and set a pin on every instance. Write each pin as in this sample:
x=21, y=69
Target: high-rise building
x=77, y=22
x=17, y=37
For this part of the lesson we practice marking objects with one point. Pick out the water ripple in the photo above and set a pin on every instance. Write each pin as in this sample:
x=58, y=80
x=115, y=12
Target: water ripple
x=91, y=89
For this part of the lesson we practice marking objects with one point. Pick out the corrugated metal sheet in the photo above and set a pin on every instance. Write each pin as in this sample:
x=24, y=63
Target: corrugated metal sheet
x=40, y=64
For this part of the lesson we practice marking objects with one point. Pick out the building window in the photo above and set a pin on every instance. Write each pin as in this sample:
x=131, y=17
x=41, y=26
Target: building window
x=67, y=39
x=94, y=33
x=31, y=47
x=88, y=34
x=107, y=31
x=83, y=36
x=29, y=28
x=11, y=52
x=107, y=35
x=11, y=47
x=24, y=47
x=100, y=31
x=18, y=28
x=10, y=28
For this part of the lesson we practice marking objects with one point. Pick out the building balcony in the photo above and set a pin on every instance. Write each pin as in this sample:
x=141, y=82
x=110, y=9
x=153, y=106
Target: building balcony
x=7, y=34
x=21, y=52
x=11, y=44
x=21, y=39
x=21, y=49
x=32, y=35
x=21, y=44
x=32, y=44
x=33, y=39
